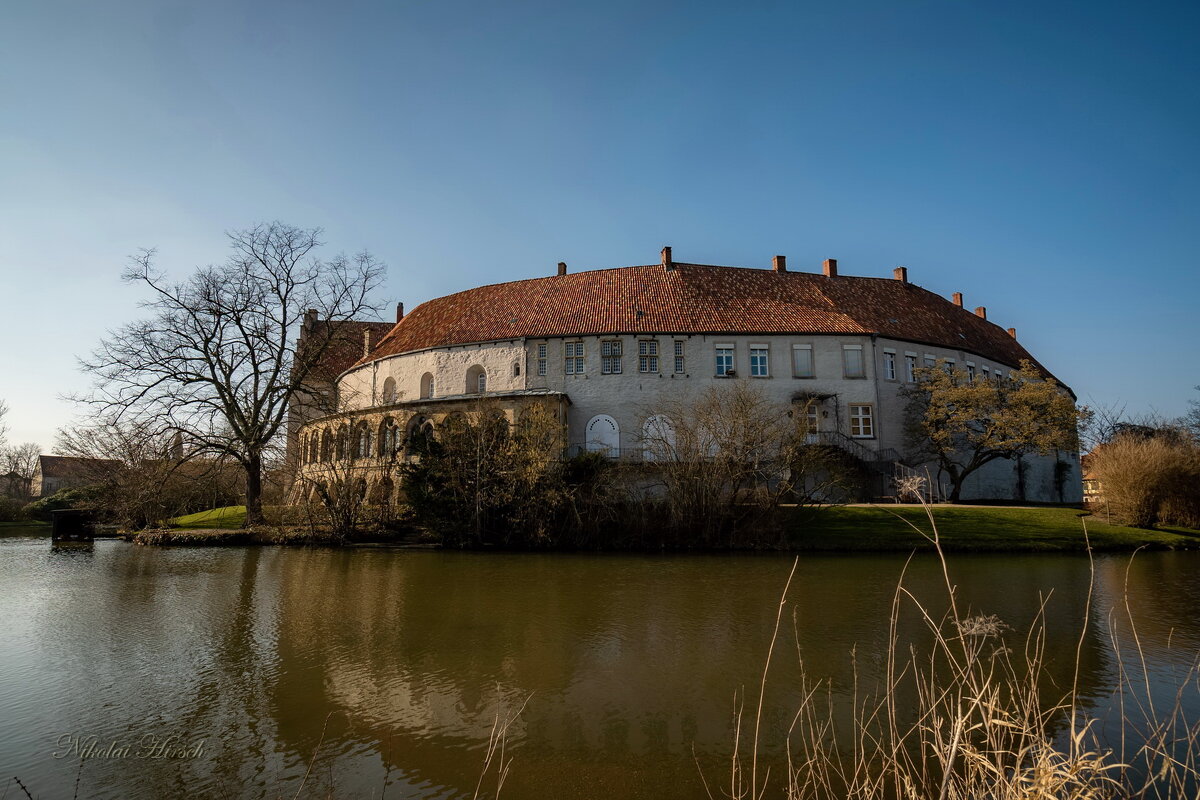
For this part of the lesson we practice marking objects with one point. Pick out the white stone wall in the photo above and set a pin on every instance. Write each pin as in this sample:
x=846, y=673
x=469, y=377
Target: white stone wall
x=363, y=387
x=632, y=396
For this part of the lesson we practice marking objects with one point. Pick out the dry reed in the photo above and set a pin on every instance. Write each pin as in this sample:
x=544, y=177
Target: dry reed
x=981, y=726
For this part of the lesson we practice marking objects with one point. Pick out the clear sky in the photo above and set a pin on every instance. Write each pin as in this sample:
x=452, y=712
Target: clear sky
x=1042, y=158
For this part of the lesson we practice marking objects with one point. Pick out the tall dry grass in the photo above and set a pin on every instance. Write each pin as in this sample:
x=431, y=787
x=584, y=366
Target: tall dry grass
x=1151, y=479
x=965, y=714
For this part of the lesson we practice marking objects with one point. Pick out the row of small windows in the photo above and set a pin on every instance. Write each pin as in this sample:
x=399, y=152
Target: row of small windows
x=725, y=364
x=928, y=361
x=612, y=355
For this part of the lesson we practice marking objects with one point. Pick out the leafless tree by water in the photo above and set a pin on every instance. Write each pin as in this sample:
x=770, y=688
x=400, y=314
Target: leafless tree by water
x=215, y=360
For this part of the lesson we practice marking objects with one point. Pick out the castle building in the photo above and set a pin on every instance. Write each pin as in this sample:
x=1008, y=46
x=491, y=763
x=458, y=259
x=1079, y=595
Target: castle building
x=604, y=348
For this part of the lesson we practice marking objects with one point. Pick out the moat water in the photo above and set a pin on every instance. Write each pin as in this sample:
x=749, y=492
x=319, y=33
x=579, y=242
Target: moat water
x=380, y=672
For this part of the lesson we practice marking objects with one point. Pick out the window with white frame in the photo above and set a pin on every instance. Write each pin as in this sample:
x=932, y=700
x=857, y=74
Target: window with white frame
x=679, y=362
x=802, y=360
x=481, y=382
x=910, y=367
x=647, y=355
x=610, y=357
x=930, y=361
x=852, y=361
x=970, y=371
x=862, y=422
x=950, y=366
x=759, y=361
x=541, y=359
x=724, y=359
x=574, y=358
x=889, y=365
x=987, y=373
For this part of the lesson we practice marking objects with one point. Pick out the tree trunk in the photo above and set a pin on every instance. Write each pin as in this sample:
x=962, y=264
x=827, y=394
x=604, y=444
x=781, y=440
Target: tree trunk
x=254, y=513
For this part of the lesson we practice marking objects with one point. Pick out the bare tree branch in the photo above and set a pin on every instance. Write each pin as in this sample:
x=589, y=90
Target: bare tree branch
x=216, y=359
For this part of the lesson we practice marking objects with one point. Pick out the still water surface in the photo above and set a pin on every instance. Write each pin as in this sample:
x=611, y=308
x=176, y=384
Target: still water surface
x=391, y=665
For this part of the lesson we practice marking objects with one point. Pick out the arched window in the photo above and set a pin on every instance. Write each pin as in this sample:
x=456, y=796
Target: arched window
x=341, y=444
x=427, y=385
x=476, y=380
x=389, y=391
x=603, y=435
x=326, y=445
x=418, y=434
x=389, y=437
x=362, y=440
x=658, y=439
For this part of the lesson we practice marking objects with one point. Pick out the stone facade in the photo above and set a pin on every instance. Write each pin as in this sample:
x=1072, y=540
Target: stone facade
x=606, y=399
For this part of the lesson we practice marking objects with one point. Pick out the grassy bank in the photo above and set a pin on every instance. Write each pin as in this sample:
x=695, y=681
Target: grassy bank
x=843, y=528
x=227, y=518
x=973, y=529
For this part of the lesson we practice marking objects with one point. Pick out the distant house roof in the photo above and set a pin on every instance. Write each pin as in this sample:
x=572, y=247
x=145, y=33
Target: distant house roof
x=72, y=466
x=695, y=299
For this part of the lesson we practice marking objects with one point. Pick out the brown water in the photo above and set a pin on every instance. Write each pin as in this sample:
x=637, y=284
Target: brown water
x=386, y=667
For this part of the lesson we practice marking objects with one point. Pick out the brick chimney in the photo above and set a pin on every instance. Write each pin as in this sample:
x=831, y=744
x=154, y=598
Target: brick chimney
x=830, y=268
x=1012, y=332
x=981, y=312
x=900, y=274
x=562, y=268
x=366, y=343
x=399, y=311
x=667, y=263
x=957, y=298
x=779, y=263
x=310, y=318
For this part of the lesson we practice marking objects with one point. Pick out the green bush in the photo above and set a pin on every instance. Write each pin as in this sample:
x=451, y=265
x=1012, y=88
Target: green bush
x=82, y=497
x=12, y=510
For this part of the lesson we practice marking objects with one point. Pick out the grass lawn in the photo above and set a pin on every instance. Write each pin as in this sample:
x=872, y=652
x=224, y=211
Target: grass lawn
x=978, y=529
x=227, y=517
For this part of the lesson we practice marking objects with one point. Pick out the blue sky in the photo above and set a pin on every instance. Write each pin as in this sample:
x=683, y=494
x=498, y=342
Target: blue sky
x=1042, y=158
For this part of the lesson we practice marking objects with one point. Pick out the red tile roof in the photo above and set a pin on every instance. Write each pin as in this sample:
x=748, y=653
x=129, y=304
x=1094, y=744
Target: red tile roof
x=695, y=298
x=344, y=347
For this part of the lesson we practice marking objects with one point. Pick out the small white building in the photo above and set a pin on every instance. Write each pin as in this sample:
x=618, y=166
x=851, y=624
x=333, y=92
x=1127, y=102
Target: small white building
x=608, y=346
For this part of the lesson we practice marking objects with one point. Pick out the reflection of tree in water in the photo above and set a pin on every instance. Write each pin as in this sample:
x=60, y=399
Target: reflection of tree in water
x=629, y=659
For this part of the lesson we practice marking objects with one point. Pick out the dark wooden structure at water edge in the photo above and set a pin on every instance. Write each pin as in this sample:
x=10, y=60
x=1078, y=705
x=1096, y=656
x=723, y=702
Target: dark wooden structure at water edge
x=73, y=525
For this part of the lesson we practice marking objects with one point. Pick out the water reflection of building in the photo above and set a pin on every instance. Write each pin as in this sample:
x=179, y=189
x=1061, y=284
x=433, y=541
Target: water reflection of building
x=629, y=663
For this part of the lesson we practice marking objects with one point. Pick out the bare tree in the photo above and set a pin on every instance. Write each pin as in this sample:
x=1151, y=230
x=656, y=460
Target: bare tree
x=3, y=426
x=1192, y=420
x=216, y=359
x=20, y=461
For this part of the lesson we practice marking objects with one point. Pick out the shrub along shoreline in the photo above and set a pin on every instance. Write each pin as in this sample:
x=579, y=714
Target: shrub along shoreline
x=860, y=528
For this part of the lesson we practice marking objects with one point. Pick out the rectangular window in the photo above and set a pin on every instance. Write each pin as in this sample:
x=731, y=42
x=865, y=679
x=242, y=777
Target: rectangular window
x=759, y=361
x=802, y=360
x=930, y=361
x=647, y=356
x=574, y=358
x=679, y=358
x=889, y=365
x=910, y=367
x=852, y=360
x=610, y=357
x=541, y=359
x=950, y=363
x=862, y=424
x=970, y=371
x=987, y=374
x=724, y=359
